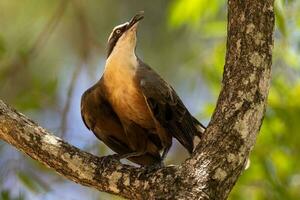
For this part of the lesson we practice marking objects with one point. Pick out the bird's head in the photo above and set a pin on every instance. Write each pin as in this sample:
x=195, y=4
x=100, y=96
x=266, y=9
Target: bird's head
x=123, y=36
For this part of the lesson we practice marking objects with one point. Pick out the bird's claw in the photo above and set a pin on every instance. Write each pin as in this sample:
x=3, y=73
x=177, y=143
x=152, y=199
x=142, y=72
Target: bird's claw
x=106, y=160
x=154, y=167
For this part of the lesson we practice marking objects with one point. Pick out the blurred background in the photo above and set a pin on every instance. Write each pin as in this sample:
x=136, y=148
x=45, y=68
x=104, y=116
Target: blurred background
x=51, y=51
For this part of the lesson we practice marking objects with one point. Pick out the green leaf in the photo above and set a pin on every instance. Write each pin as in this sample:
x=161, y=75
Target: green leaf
x=5, y=195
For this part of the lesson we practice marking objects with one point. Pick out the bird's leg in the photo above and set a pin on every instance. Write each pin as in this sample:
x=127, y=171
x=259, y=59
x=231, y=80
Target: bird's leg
x=114, y=157
x=131, y=154
x=118, y=157
x=165, y=152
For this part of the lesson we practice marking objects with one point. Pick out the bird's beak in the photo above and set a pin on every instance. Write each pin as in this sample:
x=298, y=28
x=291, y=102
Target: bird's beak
x=139, y=16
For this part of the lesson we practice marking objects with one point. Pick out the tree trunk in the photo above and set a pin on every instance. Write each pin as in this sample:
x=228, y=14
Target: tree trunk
x=220, y=157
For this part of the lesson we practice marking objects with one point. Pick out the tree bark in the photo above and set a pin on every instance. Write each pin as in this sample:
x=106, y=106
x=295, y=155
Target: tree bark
x=220, y=157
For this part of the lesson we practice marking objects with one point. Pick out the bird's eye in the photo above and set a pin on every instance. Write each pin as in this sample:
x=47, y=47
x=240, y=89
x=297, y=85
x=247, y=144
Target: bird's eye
x=118, y=31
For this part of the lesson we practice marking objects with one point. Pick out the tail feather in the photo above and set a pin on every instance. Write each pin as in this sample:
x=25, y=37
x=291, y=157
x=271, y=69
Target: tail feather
x=200, y=127
x=200, y=130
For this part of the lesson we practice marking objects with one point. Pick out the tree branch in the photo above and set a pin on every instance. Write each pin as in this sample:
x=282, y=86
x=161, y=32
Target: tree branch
x=219, y=159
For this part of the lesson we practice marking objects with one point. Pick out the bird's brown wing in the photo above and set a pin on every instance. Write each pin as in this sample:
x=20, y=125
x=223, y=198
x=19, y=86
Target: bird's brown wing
x=167, y=107
x=100, y=118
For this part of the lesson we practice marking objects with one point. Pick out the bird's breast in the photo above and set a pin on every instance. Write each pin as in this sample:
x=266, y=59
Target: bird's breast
x=125, y=95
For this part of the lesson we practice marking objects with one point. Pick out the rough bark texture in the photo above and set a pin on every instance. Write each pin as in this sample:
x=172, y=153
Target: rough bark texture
x=219, y=159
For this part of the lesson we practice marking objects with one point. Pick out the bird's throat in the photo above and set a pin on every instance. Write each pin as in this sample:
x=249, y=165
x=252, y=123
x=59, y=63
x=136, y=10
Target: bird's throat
x=119, y=73
x=123, y=92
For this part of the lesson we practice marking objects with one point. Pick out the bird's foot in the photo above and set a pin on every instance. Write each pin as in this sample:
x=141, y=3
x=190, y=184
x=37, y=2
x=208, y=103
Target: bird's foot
x=153, y=167
x=106, y=160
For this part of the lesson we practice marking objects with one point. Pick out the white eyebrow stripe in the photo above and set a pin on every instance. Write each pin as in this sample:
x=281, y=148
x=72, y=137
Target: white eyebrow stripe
x=116, y=27
x=121, y=25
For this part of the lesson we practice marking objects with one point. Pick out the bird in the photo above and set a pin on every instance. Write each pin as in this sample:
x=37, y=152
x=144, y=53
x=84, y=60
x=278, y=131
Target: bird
x=132, y=109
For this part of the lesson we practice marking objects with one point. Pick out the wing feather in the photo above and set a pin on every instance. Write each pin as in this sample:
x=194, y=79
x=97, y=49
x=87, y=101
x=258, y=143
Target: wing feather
x=167, y=107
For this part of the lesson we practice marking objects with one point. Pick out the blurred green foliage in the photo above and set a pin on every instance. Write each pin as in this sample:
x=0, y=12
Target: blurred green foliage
x=6, y=195
x=43, y=44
